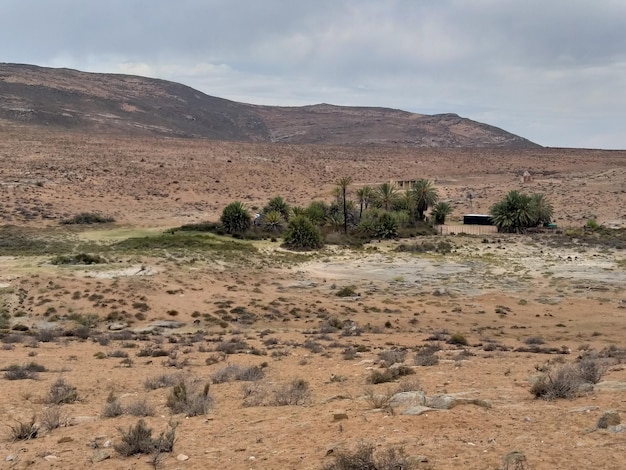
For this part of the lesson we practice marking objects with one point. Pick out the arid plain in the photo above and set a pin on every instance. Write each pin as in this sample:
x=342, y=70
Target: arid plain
x=523, y=304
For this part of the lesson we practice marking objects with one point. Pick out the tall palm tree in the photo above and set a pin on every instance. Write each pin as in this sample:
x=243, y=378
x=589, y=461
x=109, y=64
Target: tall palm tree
x=386, y=195
x=425, y=196
x=365, y=195
x=343, y=184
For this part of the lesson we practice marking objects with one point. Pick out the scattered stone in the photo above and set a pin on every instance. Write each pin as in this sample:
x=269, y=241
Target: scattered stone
x=339, y=416
x=9, y=458
x=100, y=455
x=182, y=457
x=417, y=410
x=447, y=402
x=617, y=429
x=334, y=398
x=610, y=386
x=167, y=324
x=584, y=409
x=65, y=439
x=408, y=398
x=609, y=418
x=118, y=326
x=415, y=460
x=50, y=458
x=440, y=291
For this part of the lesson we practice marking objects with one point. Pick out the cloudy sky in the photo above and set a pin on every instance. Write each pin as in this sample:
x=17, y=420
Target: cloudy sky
x=553, y=71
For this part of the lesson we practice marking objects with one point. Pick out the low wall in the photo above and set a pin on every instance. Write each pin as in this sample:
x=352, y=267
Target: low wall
x=468, y=229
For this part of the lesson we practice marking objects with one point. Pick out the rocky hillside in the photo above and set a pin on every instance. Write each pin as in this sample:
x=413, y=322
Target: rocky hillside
x=69, y=99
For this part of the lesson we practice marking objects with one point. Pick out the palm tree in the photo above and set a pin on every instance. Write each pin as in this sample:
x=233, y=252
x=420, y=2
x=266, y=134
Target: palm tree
x=235, y=218
x=273, y=221
x=279, y=205
x=365, y=195
x=386, y=195
x=440, y=212
x=343, y=184
x=543, y=209
x=425, y=196
x=514, y=214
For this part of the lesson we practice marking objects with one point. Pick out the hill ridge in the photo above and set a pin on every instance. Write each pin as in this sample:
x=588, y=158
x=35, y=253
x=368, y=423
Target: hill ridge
x=97, y=102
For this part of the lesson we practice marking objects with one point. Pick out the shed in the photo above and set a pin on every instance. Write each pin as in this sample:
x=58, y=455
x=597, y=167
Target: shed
x=477, y=219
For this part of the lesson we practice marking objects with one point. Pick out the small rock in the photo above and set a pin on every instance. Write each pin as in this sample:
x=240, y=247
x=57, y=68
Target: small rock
x=440, y=291
x=417, y=410
x=9, y=458
x=617, y=429
x=64, y=440
x=118, y=326
x=100, y=455
x=182, y=457
x=50, y=458
x=609, y=418
x=408, y=398
x=339, y=416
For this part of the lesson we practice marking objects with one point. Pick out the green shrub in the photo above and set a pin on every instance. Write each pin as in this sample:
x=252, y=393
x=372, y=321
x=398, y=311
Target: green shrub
x=302, y=234
x=235, y=218
x=80, y=258
x=87, y=218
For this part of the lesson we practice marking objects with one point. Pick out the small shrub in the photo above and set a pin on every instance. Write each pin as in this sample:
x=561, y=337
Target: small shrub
x=140, y=408
x=302, y=234
x=62, y=392
x=347, y=291
x=87, y=218
x=378, y=400
x=458, y=339
x=560, y=383
x=389, y=374
x=298, y=392
x=26, y=371
x=591, y=370
x=112, y=407
x=363, y=458
x=138, y=440
x=392, y=356
x=161, y=381
x=52, y=418
x=80, y=258
x=24, y=430
x=186, y=398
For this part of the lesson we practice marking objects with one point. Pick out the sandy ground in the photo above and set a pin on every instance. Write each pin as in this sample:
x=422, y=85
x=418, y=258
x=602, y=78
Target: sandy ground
x=500, y=292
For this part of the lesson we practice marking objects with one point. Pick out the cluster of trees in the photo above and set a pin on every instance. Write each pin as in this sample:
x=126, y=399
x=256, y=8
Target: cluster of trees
x=518, y=211
x=377, y=212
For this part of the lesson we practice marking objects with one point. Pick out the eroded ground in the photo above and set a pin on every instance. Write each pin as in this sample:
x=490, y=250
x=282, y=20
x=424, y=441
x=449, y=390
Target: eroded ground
x=192, y=306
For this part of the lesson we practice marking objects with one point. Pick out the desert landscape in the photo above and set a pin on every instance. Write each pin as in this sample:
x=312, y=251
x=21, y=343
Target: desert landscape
x=246, y=355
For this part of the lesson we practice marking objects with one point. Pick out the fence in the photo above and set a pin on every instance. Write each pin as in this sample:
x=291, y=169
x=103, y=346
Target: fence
x=468, y=229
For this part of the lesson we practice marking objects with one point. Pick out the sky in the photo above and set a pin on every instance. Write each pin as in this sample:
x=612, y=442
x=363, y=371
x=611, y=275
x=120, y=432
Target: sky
x=552, y=71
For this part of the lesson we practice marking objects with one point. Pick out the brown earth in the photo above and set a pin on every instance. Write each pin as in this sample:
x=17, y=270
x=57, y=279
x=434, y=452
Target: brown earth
x=502, y=293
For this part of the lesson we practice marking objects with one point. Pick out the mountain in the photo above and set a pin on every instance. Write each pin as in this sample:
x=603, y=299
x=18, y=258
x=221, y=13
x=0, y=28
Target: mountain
x=96, y=102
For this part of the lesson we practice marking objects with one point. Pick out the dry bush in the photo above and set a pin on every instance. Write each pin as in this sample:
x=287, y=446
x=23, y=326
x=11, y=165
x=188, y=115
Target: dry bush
x=138, y=440
x=297, y=392
x=363, y=458
x=591, y=370
x=425, y=356
x=392, y=356
x=563, y=382
x=378, y=400
x=409, y=385
x=162, y=381
x=186, y=397
x=61, y=392
x=254, y=394
x=235, y=372
x=140, y=408
x=24, y=430
x=389, y=374
x=112, y=407
x=21, y=372
x=52, y=418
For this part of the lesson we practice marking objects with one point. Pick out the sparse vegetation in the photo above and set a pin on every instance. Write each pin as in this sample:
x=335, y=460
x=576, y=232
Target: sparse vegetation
x=24, y=430
x=365, y=458
x=138, y=440
x=87, y=218
x=189, y=398
x=62, y=392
